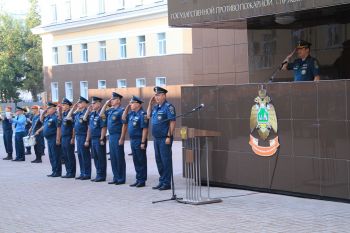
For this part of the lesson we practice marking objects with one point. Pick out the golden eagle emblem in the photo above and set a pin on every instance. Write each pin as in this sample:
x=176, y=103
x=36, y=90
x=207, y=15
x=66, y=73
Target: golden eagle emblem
x=263, y=119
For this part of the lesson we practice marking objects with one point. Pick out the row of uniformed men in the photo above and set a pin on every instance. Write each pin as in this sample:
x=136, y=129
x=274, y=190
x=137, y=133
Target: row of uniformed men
x=87, y=125
x=23, y=122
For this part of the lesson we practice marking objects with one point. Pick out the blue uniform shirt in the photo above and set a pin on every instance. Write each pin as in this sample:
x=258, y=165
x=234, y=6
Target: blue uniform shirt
x=114, y=120
x=36, y=124
x=161, y=117
x=67, y=125
x=20, y=123
x=304, y=70
x=51, y=123
x=136, y=122
x=96, y=123
x=6, y=124
x=80, y=126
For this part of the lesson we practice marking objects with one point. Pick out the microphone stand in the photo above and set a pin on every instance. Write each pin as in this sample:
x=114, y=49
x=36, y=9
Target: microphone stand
x=173, y=197
x=272, y=77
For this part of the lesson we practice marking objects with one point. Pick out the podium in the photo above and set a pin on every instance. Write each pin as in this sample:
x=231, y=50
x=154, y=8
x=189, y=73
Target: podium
x=191, y=139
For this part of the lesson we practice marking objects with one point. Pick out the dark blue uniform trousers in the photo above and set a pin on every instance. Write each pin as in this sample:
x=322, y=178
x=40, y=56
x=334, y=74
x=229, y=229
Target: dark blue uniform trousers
x=163, y=156
x=84, y=156
x=100, y=158
x=19, y=145
x=68, y=155
x=117, y=155
x=140, y=160
x=39, y=147
x=8, y=141
x=54, y=155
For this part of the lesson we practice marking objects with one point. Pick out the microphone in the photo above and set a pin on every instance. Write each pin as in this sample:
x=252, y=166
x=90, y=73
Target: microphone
x=199, y=107
x=283, y=63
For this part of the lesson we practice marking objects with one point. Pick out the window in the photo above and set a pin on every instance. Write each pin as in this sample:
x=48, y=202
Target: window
x=84, y=89
x=141, y=46
x=101, y=84
x=161, y=43
x=83, y=8
x=121, y=83
x=160, y=81
x=121, y=4
x=68, y=10
x=140, y=82
x=69, y=90
x=69, y=54
x=53, y=13
x=54, y=92
x=122, y=47
x=55, y=56
x=84, y=53
x=138, y=2
x=102, y=50
x=101, y=6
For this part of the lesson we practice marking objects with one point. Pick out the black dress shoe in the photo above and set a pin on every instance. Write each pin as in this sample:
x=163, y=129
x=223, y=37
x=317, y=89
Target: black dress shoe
x=93, y=180
x=78, y=178
x=18, y=160
x=165, y=187
x=50, y=175
x=36, y=161
x=139, y=185
x=28, y=153
x=112, y=182
x=119, y=183
x=56, y=175
x=134, y=184
x=157, y=187
x=100, y=180
x=70, y=176
x=85, y=178
x=64, y=176
x=7, y=158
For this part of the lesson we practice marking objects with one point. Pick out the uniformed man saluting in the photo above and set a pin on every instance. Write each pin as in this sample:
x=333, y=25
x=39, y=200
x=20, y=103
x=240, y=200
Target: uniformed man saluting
x=67, y=138
x=163, y=125
x=117, y=130
x=97, y=133
x=138, y=130
x=305, y=68
x=80, y=131
x=50, y=129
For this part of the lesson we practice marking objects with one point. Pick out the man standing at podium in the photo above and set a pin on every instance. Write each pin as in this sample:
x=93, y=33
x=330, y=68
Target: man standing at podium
x=163, y=125
x=305, y=68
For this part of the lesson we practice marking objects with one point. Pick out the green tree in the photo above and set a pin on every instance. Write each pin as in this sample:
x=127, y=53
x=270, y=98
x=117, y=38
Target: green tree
x=11, y=57
x=33, y=53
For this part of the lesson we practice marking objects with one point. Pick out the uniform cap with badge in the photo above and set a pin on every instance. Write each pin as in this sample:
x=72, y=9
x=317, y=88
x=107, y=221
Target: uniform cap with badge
x=66, y=101
x=303, y=44
x=159, y=90
x=51, y=105
x=20, y=109
x=136, y=99
x=95, y=99
x=82, y=99
x=115, y=95
x=37, y=107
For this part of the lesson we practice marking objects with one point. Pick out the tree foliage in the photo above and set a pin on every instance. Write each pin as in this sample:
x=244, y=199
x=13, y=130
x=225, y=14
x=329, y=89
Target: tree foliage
x=20, y=55
x=11, y=56
x=33, y=53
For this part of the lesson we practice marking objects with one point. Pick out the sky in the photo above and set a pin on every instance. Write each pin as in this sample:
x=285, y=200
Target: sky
x=14, y=7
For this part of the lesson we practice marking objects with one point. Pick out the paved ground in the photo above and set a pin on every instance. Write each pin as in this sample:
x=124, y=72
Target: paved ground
x=32, y=202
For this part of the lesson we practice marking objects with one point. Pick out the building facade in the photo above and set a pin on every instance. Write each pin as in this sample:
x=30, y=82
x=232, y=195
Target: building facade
x=100, y=44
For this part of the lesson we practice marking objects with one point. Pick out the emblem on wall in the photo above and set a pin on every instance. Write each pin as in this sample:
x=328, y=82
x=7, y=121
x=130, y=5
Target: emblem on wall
x=263, y=126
